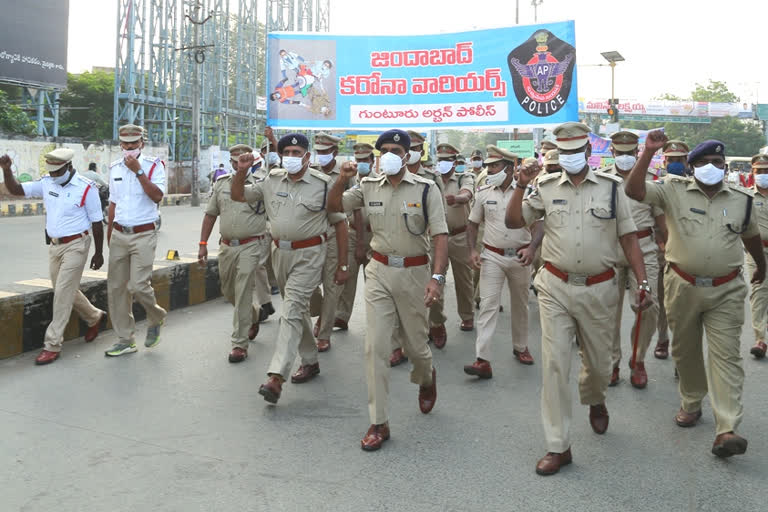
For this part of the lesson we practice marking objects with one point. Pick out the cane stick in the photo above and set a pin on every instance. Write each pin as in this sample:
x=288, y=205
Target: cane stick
x=637, y=331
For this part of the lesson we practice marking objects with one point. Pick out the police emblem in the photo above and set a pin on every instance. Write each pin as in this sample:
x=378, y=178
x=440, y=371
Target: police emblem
x=294, y=141
x=542, y=69
x=396, y=138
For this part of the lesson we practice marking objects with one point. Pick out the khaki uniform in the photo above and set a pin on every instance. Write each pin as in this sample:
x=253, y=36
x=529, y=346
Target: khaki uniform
x=297, y=211
x=702, y=242
x=480, y=178
x=347, y=297
x=395, y=295
x=758, y=296
x=240, y=263
x=489, y=208
x=581, y=239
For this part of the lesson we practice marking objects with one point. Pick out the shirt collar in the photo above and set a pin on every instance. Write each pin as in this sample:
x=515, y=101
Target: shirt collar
x=694, y=185
x=407, y=177
x=564, y=176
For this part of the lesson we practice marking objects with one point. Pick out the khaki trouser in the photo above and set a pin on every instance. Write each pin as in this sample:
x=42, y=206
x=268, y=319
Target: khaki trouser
x=649, y=316
x=394, y=296
x=476, y=271
x=238, y=267
x=324, y=304
x=458, y=256
x=298, y=273
x=718, y=311
x=758, y=302
x=66, y=263
x=495, y=270
x=271, y=279
x=568, y=311
x=128, y=278
x=662, y=326
x=347, y=296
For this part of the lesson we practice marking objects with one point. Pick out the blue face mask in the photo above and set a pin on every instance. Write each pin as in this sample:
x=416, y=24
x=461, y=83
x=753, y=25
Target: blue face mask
x=460, y=168
x=363, y=168
x=677, y=168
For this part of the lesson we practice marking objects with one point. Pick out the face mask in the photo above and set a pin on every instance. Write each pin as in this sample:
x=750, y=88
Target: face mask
x=625, y=162
x=131, y=152
x=573, y=164
x=273, y=158
x=461, y=168
x=709, y=174
x=761, y=180
x=363, y=168
x=61, y=180
x=444, y=166
x=292, y=164
x=324, y=159
x=476, y=164
x=391, y=164
x=413, y=157
x=677, y=168
x=495, y=180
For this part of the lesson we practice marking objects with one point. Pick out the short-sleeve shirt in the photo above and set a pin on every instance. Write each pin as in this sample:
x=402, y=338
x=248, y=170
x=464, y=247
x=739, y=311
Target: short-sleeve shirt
x=490, y=207
x=704, y=234
x=238, y=220
x=760, y=207
x=457, y=215
x=399, y=226
x=133, y=207
x=296, y=210
x=70, y=209
x=582, y=224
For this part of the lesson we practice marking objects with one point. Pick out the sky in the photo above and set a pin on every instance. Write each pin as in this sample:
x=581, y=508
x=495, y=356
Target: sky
x=669, y=45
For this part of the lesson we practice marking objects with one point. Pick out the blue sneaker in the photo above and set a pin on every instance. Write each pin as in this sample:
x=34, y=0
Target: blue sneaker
x=153, y=336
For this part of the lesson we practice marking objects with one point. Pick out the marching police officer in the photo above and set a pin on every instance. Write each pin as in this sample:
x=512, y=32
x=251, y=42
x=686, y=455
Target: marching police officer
x=72, y=208
x=136, y=186
x=404, y=210
x=758, y=297
x=585, y=219
x=476, y=162
x=551, y=161
x=704, y=289
x=295, y=199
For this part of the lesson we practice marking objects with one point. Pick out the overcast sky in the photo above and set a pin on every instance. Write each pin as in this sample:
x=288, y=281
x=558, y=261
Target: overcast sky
x=669, y=45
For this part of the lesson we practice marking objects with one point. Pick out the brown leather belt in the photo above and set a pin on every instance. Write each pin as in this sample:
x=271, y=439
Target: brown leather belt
x=765, y=243
x=400, y=261
x=301, y=244
x=458, y=231
x=512, y=253
x=580, y=279
x=644, y=233
x=133, y=230
x=67, y=239
x=704, y=281
x=242, y=241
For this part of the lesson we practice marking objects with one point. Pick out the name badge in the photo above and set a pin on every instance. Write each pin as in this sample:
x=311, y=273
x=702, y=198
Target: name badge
x=413, y=205
x=758, y=203
x=491, y=202
x=118, y=179
x=559, y=201
x=700, y=212
x=54, y=194
x=375, y=203
x=282, y=194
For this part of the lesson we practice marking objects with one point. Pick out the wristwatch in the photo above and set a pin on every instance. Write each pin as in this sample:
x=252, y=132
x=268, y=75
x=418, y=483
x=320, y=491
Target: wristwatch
x=140, y=172
x=343, y=268
x=440, y=278
x=645, y=286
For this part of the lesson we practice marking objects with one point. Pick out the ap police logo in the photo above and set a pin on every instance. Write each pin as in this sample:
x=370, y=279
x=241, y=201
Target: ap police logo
x=542, y=70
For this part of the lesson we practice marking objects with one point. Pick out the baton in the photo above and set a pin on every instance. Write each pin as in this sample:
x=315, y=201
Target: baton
x=637, y=331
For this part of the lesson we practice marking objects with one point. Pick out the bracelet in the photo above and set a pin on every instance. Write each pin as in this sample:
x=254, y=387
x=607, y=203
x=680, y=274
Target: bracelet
x=523, y=187
x=202, y=242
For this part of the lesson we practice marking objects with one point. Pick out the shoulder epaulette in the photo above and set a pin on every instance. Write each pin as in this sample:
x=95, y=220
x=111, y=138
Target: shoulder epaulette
x=278, y=172
x=612, y=177
x=373, y=179
x=484, y=187
x=548, y=177
x=116, y=162
x=421, y=179
x=319, y=175
x=677, y=179
x=746, y=191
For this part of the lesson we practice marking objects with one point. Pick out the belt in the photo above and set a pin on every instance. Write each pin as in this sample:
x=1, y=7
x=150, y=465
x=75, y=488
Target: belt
x=243, y=241
x=458, y=231
x=580, y=279
x=644, y=233
x=301, y=244
x=765, y=243
x=511, y=253
x=704, y=281
x=400, y=261
x=67, y=239
x=132, y=230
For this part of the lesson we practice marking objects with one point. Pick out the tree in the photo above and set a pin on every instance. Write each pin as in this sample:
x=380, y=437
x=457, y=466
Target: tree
x=13, y=119
x=716, y=92
x=87, y=106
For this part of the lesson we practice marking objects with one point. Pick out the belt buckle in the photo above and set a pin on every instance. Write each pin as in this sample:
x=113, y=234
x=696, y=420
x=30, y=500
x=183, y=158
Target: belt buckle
x=577, y=279
x=510, y=253
x=234, y=243
x=704, y=281
x=285, y=244
x=396, y=261
x=127, y=229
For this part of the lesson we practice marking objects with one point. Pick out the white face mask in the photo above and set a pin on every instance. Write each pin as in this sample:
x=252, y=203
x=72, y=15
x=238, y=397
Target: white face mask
x=61, y=180
x=324, y=160
x=477, y=164
x=273, y=158
x=625, y=162
x=413, y=157
x=390, y=164
x=709, y=174
x=363, y=168
x=761, y=180
x=293, y=164
x=131, y=152
x=573, y=164
x=444, y=166
x=495, y=180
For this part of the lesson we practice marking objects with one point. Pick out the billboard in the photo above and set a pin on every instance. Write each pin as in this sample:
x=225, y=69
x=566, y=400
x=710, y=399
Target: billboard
x=33, y=42
x=515, y=76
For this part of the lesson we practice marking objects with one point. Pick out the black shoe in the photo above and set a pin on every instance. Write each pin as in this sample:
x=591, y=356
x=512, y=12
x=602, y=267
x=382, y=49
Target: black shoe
x=274, y=290
x=266, y=311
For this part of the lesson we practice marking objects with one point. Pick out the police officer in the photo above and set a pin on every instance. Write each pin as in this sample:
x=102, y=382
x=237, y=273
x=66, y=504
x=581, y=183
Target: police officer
x=704, y=289
x=648, y=220
x=268, y=150
x=758, y=297
x=476, y=161
x=136, y=186
x=243, y=253
x=404, y=210
x=586, y=218
x=72, y=209
x=551, y=161
x=504, y=258
x=295, y=199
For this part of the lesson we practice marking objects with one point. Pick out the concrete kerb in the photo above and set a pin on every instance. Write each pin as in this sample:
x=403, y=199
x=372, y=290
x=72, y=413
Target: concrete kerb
x=17, y=208
x=25, y=317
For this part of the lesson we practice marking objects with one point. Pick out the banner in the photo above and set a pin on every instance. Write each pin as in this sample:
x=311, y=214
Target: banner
x=668, y=108
x=523, y=75
x=522, y=148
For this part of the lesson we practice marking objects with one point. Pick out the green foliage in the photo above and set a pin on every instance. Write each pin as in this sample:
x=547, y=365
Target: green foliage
x=716, y=92
x=87, y=106
x=13, y=119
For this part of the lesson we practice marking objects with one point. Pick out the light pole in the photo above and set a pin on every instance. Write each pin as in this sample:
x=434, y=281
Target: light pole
x=612, y=58
x=536, y=4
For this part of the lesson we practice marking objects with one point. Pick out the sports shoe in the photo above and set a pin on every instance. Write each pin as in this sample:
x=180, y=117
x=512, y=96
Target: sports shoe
x=119, y=349
x=153, y=336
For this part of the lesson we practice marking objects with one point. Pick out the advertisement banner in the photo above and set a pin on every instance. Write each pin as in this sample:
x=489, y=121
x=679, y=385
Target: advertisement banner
x=686, y=109
x=523, y=75
x=522, y=148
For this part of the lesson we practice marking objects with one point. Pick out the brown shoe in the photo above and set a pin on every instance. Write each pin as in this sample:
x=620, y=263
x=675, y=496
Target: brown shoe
x=480, y=368
x=238, y=355
x=253, y=331
x=438, y=336
x=638, y=377
x=46, y=357
x=323, y=345
x=728, y=444
x=552, y=462
x=375, y=437
x=687, y=419
x=340, y=324
x=306, y=372
x=428, y=395
x=614, y=377
x=662, y=350
x=523, y=356
x=397, y=358
x=93, y=330
x=598, y=418
x=271, y=389
x=758, y=350
x=467, y=325
x=316, y=329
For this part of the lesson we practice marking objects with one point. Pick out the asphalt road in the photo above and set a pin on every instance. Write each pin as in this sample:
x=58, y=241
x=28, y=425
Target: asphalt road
x=178, y=428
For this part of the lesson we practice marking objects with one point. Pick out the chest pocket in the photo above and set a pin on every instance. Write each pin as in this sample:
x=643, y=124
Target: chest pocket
x=736, y=225
x=600, y=213
x=279, y=203
x=492, y=209
x=558, y=215
x=692, y=224
x=416, y=217
x=314, y=203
